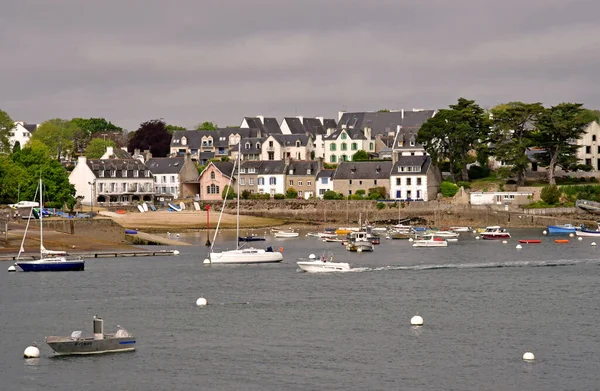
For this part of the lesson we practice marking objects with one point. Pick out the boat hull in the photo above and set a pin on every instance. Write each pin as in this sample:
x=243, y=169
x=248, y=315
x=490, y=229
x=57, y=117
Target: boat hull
x=360, y=246
x=430, y=243
x=251, y=239
x=495, y=236
x=323, y=267
x=246, y=256
x=51, y=266
x=286, y=234
x=588, y=233
x=555, y=229
x=67, y=346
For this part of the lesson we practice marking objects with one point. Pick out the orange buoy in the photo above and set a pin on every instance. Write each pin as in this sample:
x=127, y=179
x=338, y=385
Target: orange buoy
x=280, y=249
x=561, y=241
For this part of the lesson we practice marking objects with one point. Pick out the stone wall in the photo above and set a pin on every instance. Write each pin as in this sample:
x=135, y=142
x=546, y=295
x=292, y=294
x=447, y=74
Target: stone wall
x=98, y=228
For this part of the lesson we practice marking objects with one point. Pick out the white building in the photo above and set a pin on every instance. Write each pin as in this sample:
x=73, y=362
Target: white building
x=21, y=133
x=589, y=151
x=271, y=177
x=292, y=146
x=324, y=182
x=342, y=144
x=413, y=178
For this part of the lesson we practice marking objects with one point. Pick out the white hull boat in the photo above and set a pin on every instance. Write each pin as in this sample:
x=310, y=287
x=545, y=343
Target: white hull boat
x=246, y=255
x=286, y=234
x=430, y=241
x=461, y=229
x=319, y=266
x=444, y=234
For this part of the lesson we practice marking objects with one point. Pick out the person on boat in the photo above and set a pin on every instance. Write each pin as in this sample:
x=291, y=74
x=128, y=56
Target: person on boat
x=269, y=249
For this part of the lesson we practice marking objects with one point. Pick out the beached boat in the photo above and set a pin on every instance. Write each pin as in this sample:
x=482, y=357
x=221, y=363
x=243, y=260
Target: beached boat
x=588, y=206
x=495, y=232
x=563, y=229
x=430, y=241
x=120, y=341
x=173, y=207
x=249, y=255
x=322, y=265
x=50, y=260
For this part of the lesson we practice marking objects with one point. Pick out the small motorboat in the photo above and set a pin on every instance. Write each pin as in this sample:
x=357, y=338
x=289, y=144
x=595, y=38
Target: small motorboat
x=251, y=238
x=563, y=229
x=430, y=241
x=444, y=234
x=322, y=235
x=314, y=265
x=461, y=229
x=589, y=232
x=285, y=234
x=495, y=232
x=120, y=341
x=359, y=242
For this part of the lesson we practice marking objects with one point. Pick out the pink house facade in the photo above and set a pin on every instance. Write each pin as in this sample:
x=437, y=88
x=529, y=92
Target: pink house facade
x=214, y=179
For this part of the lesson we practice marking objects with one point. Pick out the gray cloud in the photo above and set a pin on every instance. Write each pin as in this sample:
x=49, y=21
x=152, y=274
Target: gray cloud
x=191, y=61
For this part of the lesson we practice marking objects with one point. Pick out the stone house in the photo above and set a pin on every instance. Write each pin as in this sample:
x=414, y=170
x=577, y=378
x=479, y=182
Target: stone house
x=301, y=175
x=352, y=176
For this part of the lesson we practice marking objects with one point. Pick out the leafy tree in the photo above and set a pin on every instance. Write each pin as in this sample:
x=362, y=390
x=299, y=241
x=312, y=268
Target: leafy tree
x=360, y=155
x=206, y=126
x=246, y=194
x=291, y=193
x=95, y=125
x=17, y=146
x=97, y=147
x=478, y=172
x=550, y=194
x=57, y=134
x=513, y=127
x=151, y=135
x=383, y=111
x=377, y=193
x=6, y=125
x=279, y=196
x=332, y=195
x=557, y=127
x=448, y=189
x=228, y=192
x=452, y=133
x=11, y=175
x=171, y=128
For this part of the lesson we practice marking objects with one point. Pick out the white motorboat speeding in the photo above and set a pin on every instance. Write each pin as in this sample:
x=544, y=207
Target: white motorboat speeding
x=314, y=265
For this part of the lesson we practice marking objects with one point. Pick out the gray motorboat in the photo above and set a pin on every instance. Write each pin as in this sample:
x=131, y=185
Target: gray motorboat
x=120, y=341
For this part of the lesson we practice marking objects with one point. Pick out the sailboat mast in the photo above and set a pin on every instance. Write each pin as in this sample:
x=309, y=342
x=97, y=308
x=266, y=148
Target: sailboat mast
x=237, y=234
x=41, y=214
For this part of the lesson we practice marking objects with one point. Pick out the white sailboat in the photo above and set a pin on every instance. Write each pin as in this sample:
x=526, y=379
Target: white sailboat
x=246, y=255
x=50, y=260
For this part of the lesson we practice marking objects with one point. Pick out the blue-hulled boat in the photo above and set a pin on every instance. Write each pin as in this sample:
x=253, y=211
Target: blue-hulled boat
x=563, y=229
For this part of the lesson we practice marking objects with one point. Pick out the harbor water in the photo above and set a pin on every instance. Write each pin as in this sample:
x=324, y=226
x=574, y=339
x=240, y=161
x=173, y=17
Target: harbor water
x=271, y=327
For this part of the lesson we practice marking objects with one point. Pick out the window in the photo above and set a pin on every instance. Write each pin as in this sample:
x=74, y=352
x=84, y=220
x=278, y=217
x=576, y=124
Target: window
x=321, y=192
x=588, y=149
x=212, y=175
x=332, y=158
x=598, y=148
x=261, y=181
x=593, y=137
x=251, y=170
x=291, y=182
x=271, y=144
x=345, y=158
x=172, y=178
x=588, y=162
x=332, y=147
x=308, y=172
x=136, y=173
x=297, y=144
x=272, y=180
x=147, y=173
x=308, y=183
x=375, y=182
x=360, y=182
x=242, y=171
x=418, y=181
x=251, y=182
x=299, y=183
x=300, y=193
x=371, y=146
x=398, y=194
x=354, y=146
x=349, y=192
x=113, y=173
x=408, y=194
x=212, y=189
x=247, y=146
x=398, y=181
x=344, y=136
x=350, y=181
x=271, y=155
x=124, y=174
x=324, y=181
x=344, y=147
x=257, y=145
x=408, y=181
x=242, y=181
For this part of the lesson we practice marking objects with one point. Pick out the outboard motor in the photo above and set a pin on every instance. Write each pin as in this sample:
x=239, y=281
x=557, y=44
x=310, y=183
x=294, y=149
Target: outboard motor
x=98, y=327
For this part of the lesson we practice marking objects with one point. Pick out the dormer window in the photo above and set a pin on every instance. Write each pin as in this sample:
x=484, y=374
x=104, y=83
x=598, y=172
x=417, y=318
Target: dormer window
x=146, y=173
x=136, y=173
x=291, y=172
x=251, y=170
x=297, y=144
x=243, y=170
x=308, y=172
x=247, y=146
x=124, y=174
x=101, y=174
x=113, y=173
x=412, y=143
x=257, y=145
x=184, y=140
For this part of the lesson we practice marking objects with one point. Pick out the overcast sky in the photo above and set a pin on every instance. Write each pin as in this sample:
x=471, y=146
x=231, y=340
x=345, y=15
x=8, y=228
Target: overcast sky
x=221, y=60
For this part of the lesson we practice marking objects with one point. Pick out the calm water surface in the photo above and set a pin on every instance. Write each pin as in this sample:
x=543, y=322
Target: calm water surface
x=270, y=327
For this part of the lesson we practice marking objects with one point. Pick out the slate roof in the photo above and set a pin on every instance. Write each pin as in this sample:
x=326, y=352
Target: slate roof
x=119, y=153
x=354, y=134
x=329, y=123
x=265, y=167
x=411, y=161
x=295, y=125
x=254, y=122
x=290, y=139
x=194, y=138
x=385, y=122
x=313, y=126
x=271, y=126
x=325, y=174
x=363, y=170
x=301, y=167
x=226, y=168
x=403, y=139
x=118, y=165
x=165, y=165
x=206, y=155
x=253, y=141
x=30, y=127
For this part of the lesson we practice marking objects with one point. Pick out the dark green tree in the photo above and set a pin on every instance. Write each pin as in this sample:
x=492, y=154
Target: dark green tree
x=228, y=192
x=97, y=147
x=171, y=128
x=153, y=136
x=454, y=133
x=291, y=193
x=557, y=127
x=550, y=194
x=360, y=155
x=57, y=134
x=206, y=126
x=512, y=135
x=6, y=126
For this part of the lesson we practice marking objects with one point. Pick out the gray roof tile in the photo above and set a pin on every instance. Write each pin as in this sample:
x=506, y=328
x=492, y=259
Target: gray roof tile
x=363, y=170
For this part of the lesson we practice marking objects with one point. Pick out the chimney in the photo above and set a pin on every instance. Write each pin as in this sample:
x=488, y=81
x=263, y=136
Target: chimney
x=110, y=151
x=402, y=111
x=367, y=132
x=147, y=154
x=394, y=157
x=340, y=113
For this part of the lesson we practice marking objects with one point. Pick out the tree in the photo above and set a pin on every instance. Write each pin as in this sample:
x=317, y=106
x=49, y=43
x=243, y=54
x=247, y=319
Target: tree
x=453, y=133
x=57, y=134
x=291, y=193
x=557, y=127
x=16, y=147
x=228, y=192
x=6, y=126
x=153, y=136
x=97, y=147
x=383, y=111
x=94, y=126
x=377, y=193
x=550, y=194
x=513, y=129
x=206, y=126
x=171, y=128
x=360, y=155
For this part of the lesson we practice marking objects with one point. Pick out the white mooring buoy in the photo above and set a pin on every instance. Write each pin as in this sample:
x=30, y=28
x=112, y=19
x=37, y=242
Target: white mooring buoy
x=206, y=261
x=593, y=243
x=477, y=237
x=32, y=352
x=177, y=235
x=571, y=235
x=545, y=232
x=410, y=239
x=528, y=356
x=201, y=302
x=519, y=247
x=416, y=321
x=580, y=238
x=504, y=241
x=12, y=268
x=175, y=252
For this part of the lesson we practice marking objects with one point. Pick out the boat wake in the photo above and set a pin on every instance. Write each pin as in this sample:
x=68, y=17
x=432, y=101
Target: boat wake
x=485, y=265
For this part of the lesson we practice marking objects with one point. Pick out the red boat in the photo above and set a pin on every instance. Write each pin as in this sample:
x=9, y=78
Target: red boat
x=530, y=241
x=495, y=232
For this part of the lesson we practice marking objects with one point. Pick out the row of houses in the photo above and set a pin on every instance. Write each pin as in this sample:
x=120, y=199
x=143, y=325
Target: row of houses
x=121, y=178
